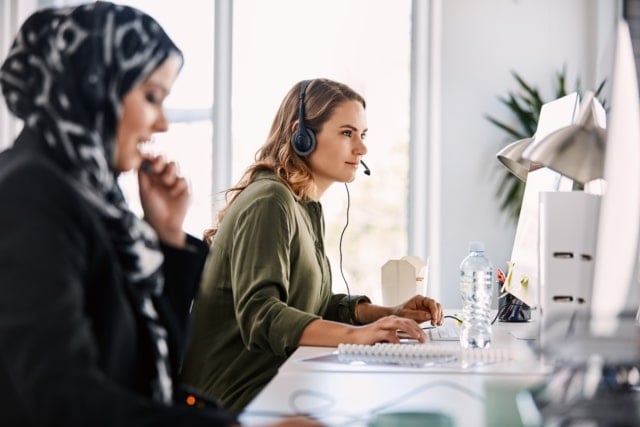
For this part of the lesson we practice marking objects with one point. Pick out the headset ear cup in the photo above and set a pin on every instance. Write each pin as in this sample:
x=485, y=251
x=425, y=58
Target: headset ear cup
x=304, y=142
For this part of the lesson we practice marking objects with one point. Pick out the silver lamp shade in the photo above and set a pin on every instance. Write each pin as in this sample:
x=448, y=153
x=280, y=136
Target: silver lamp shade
x=575, y=151
x=511, y=157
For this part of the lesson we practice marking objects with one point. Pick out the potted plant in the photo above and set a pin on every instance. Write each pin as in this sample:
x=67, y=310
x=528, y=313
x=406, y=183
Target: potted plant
x=525, y=105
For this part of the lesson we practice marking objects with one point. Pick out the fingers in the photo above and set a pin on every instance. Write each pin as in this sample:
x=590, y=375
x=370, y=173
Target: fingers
x=390, y=325
x=158, y=172
x=159, y=169
x=422, y=309
x=433, y=309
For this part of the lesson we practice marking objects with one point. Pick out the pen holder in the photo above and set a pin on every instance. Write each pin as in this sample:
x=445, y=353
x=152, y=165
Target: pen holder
x=512, y=309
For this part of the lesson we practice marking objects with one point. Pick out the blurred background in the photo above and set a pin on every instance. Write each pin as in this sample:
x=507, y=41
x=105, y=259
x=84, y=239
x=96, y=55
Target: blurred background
x=431, y=71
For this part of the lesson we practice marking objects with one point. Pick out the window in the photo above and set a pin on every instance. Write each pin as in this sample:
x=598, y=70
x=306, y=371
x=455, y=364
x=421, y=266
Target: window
x=188, y=140
x=365, y=44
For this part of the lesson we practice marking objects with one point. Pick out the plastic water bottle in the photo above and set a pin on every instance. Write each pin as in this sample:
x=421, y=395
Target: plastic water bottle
x=476, y=288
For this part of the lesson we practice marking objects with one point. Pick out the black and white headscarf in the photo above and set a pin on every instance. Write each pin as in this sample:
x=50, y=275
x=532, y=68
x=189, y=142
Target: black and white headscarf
x=66, y=75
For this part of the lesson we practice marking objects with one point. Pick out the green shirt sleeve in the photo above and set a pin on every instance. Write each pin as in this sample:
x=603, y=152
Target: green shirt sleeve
x=342, y=308
x=265, y=235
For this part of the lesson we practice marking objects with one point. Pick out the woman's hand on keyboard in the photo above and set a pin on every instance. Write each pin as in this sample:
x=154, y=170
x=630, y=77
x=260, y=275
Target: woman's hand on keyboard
x=420, y=309
x=386, y=329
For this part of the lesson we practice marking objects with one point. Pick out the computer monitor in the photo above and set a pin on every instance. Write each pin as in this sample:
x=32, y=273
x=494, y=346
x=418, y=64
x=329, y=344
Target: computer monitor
x=616, y=289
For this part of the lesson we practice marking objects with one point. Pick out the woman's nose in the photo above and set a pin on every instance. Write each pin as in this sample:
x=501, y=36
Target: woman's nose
x=161, y=124
x=360, y=147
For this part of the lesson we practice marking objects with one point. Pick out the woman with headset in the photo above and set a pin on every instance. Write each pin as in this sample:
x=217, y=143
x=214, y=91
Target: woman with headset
x=267, y=283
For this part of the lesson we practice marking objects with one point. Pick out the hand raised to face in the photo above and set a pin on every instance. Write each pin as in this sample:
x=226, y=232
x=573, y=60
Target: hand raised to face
x=164, y=195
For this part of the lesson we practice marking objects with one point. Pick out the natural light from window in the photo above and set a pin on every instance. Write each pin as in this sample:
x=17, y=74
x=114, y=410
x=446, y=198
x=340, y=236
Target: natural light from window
x=363, y=43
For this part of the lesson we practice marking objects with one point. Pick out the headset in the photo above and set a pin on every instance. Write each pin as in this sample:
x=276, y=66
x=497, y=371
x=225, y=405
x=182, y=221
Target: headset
x=303, y=140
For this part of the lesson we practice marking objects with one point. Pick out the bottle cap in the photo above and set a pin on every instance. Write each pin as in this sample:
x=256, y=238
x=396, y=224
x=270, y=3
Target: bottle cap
x=476, y=246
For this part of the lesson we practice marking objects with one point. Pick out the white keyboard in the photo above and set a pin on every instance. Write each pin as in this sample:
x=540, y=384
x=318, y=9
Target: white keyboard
x=445, y=333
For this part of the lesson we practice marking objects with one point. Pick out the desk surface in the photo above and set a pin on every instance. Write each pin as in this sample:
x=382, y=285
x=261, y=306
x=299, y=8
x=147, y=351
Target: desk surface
x=341, y=394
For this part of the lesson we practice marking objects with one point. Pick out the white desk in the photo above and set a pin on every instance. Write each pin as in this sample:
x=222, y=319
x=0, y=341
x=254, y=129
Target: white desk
x=345, y=394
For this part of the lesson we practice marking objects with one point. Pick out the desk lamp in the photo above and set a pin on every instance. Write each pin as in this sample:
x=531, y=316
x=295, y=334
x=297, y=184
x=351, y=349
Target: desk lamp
x=511, y=157
x=576, y=151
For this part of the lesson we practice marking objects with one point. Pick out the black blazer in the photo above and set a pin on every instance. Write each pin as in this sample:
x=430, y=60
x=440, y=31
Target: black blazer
x=72, y=349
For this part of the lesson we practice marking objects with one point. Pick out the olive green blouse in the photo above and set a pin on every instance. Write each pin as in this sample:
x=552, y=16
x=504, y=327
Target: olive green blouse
x=267, y=277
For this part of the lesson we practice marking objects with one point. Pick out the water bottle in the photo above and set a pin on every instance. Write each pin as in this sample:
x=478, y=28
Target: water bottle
x=476, y=287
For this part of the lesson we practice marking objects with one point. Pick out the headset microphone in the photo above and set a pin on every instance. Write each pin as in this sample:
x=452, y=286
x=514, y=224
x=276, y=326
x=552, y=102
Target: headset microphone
x=367, y=171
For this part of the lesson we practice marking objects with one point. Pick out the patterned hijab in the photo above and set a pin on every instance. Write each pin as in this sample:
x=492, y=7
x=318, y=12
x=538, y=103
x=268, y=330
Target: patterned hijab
x=66, y=75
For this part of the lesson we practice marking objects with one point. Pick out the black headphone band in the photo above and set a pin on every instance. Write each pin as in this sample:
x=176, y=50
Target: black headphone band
x=303, y=90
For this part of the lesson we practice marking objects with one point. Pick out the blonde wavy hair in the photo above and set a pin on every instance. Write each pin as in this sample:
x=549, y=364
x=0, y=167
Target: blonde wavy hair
x=322, y=96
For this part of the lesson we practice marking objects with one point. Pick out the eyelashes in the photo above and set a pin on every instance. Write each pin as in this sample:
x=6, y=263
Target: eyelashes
x=348, y=134
x=151, y=98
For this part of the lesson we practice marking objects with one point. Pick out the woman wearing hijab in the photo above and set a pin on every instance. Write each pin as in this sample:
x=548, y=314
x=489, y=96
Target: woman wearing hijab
x=94, y=300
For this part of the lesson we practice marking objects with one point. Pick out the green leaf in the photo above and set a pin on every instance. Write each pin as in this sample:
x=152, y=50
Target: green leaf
x=600, y=87
x=525, y=106
x=561, y=88
x=505, y=127
x=524, y=116
x=527, y=88
x=598, y=92
x=504, y=183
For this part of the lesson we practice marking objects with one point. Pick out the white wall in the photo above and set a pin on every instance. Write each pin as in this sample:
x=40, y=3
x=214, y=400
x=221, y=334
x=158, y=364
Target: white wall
x=481, y=42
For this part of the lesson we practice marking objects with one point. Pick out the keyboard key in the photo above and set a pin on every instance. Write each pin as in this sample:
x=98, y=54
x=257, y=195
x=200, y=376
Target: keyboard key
x=445, y=333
